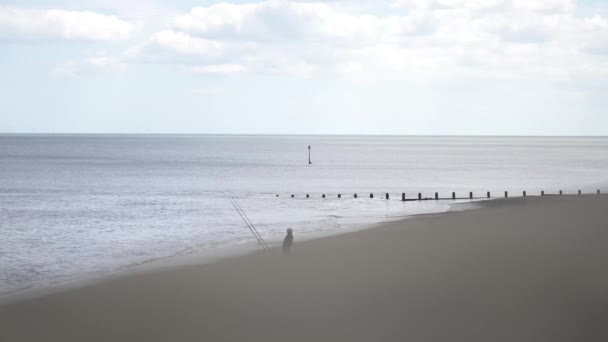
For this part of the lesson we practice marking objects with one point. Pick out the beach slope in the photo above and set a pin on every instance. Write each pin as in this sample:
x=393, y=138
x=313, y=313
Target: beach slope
x=533, y=269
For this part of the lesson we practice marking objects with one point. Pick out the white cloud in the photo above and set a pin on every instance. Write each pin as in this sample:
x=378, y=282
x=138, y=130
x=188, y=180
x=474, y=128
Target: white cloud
x=277, y=20
x=222, y=69
x=175, y=47
x=419, y=39
x=183, y=43
x=483, y=5
x=545, y=5
x=448, y=4
x=17, y=23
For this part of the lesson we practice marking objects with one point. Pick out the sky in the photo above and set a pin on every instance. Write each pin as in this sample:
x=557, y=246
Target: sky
x=403, y=67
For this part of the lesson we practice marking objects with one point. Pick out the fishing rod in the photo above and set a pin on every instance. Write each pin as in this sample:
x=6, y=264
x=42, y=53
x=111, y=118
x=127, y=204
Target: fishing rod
x=251, y=224
x=248, y=223
x=253, y=231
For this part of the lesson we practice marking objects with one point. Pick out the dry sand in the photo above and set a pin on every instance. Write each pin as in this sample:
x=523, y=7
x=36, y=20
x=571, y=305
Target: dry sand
x=532, y=269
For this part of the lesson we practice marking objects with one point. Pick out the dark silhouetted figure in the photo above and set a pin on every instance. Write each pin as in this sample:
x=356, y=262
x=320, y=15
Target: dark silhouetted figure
x=288, y=242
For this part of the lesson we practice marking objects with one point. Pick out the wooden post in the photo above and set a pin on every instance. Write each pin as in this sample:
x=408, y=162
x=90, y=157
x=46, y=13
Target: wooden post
x=524, y=193
x=488, y=194
x=371, y=195
x=387, y=195
x=403, y=196
x=355, y=195
x=506, y=194
x=560, y=192
x=419, y=196
x=471, y=195
x=436, y=195
x=309, y=161
x=542, y=193
x=579, y=192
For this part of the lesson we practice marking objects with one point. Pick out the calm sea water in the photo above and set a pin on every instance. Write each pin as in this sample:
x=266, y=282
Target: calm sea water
x=77, y=206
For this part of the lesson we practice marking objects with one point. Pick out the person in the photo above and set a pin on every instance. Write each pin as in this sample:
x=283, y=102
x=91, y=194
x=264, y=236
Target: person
x=288, y=242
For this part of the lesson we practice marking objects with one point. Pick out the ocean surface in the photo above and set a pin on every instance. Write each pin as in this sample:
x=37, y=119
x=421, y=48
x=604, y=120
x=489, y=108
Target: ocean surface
x=79, y=206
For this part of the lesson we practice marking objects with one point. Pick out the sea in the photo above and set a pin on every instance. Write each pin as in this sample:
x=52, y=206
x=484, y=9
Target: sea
x=76, y=207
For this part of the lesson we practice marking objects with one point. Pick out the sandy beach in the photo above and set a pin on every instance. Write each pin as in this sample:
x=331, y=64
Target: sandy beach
x=531, y=269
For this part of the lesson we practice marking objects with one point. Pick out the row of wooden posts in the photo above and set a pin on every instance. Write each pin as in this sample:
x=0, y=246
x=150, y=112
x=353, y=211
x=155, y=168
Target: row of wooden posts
x=420, y=198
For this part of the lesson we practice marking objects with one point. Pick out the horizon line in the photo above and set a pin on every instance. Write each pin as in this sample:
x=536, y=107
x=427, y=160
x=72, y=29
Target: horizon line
x=313, y=134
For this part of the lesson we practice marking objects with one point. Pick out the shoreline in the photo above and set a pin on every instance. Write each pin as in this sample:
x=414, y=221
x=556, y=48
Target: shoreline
x=218, y=254
x=528, y=269
x=202, y=257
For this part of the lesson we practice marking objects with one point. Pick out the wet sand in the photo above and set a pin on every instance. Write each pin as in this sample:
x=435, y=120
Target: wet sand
x=532, y=269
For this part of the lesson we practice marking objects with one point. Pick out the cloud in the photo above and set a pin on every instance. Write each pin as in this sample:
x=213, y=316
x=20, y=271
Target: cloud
x=18, y=23
x=277, y=20
x=183, y=43
x=545, y=5
x=175, y=47
x=484, y=5
x=448, y=4
x=413, y=39
x=222, y=69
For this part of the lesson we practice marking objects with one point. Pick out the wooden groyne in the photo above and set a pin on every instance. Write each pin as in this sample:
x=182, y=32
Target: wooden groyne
x=454, y=196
